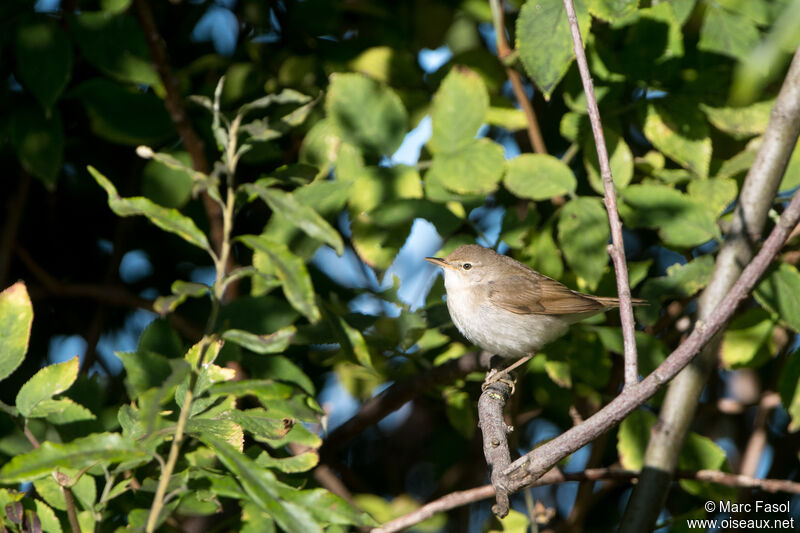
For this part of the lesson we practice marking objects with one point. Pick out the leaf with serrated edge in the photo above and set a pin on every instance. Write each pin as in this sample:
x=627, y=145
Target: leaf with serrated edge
x=46, y=383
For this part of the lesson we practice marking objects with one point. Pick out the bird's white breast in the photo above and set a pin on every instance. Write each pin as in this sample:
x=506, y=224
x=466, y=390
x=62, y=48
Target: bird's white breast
x=495, y=329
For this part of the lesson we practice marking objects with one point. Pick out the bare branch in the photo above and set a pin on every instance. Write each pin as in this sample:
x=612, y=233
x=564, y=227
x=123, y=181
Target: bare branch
x=495, y=443
x=537, y=462
x=617, y=248
x=466, y=497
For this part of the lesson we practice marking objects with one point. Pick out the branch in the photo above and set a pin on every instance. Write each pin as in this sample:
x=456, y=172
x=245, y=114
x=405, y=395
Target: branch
x=394, y=397
x=755, y=201
x=532, y=465
x=553, y=477
x=108, y=294
x=495, y=444
x=177, y=112
x=503, y=51
x=617, y=248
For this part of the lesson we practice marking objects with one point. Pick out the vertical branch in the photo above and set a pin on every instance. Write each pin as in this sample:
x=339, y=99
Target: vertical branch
x=683, y=394
x=503, y=51
x=616, y=249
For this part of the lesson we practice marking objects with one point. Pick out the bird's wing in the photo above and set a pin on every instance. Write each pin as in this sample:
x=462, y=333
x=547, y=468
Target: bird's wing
x=539, y=296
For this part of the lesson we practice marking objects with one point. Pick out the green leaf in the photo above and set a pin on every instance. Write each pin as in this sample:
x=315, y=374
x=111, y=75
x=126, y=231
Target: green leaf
x=681, y=133
x=365, y=113
x=39, y=142
x=406, y=210
x=747, y=339
x=620, y=159
x=377, y=186
x=290, y=270
x=84, y=489
x=632, y=438
x=702, y=453
x=116, y=46
x=98, y=448
x=63, y=411
x=740, y=122
x=680, y=220
x=45, y=384
x=16, y=317
x=328, y=508
x=559, y=372
x=717, y=193
x=726, y=32
x=300, y=215
x=273, y=343
x=459, y=108
x=778, y=292
x=681, y=281
x=544, y=40
x=227, y=430
x=145, y=370
x=170, y=220
x=474, y=169
x=262, y=486
x=459, y=412
x=122, y=115
x=789, y=389
x=167, y=179
x=612, y=10
x=181, y=290
x=294, y=464
x=583, y=234
x=651, y=350
x=262, y=424
x=43, y=56
x=538, y=177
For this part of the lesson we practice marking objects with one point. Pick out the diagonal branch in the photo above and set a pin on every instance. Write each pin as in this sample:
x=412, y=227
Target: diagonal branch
x=531, y=466
x=617, y=248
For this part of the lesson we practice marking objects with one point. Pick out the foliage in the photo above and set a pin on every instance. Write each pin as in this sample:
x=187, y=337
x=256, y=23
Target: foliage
x=270, y=271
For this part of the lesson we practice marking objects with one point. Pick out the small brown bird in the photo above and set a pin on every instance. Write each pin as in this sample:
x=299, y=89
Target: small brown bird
x=507, y=308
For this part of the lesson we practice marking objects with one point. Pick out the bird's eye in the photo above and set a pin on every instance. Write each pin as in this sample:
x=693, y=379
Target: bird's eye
x=466, y=266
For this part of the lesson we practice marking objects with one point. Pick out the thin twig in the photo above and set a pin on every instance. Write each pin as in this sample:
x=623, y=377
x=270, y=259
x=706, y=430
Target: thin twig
x=466, y=497
x=503, y=52
x=617, y=248
x=105, y=293
x=532, y=465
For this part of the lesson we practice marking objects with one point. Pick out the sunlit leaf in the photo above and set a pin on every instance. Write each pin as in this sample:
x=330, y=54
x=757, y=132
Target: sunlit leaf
x=98, y=448
x=538, y=177
x=16, y=317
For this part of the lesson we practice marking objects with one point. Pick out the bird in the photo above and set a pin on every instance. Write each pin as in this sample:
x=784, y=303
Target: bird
x=507, y=308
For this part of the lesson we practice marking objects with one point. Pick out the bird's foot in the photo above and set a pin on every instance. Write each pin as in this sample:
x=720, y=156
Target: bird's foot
x=500, y=376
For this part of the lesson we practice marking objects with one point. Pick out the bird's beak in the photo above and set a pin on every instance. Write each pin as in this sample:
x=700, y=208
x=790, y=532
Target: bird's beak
x=438, y=261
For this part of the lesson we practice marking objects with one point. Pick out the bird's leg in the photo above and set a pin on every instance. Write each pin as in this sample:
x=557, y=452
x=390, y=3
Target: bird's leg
x=495, y=375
